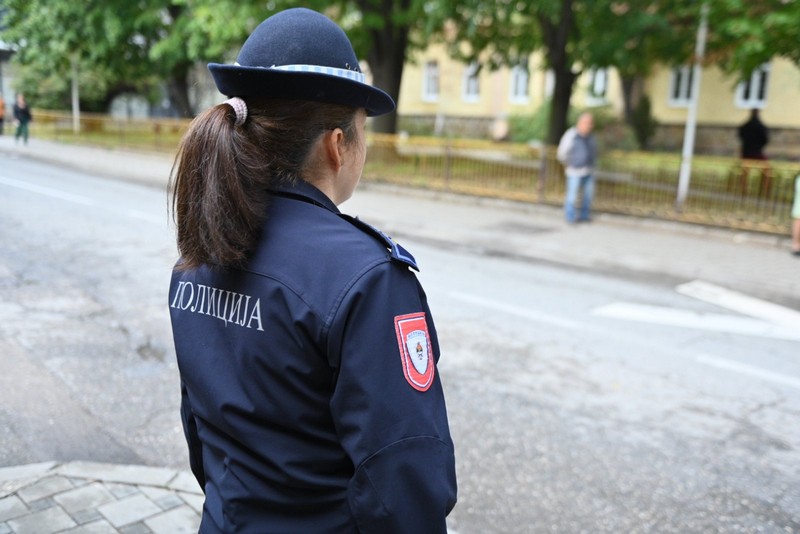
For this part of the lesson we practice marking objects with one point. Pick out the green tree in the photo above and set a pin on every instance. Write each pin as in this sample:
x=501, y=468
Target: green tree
x=744, y=34
x=48, y=40
x=121, y=45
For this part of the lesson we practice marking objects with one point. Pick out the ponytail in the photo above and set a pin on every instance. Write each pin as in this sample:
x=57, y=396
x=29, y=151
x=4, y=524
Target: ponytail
x=216, y=211
x=223, y=170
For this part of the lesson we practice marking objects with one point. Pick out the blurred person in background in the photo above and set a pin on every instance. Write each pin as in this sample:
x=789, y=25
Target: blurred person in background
x=2, y=114
x=796, y=217
x=577, y=151
x=22, y=117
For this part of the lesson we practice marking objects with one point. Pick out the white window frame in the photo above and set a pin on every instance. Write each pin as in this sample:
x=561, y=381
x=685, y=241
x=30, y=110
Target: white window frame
x=680, y=82
x=752, y=93
x=430, y=81
x=470, y=84
x=597, y=90
x=520, y=84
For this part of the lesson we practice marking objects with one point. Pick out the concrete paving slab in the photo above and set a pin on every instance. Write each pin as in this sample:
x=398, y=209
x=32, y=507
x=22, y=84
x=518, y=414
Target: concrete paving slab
x=44, y=488
x=185, y=481
x=11, y=507
x=84, y=498
x=25, y=471
x=96, y=527
x=155, y=476
x=129, y=510
x=46, y=521
x=181, y=520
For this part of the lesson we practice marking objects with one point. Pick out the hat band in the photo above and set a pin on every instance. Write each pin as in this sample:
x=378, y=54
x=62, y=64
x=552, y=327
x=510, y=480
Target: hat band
x=320, y=69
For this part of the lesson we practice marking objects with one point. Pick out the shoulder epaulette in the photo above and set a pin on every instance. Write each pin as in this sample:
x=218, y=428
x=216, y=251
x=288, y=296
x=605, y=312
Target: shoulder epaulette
x=397, y=252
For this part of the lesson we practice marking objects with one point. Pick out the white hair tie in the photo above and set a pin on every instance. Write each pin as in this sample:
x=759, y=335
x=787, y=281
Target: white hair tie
x=239, y=107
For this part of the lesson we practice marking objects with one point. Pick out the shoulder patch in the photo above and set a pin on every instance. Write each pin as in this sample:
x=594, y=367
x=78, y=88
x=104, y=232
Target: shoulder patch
x=397, y=252
x=416, y=353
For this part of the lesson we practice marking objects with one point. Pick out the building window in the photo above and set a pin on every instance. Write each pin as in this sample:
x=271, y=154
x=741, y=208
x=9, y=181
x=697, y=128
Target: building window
x=430, y=82
x=519, y=84
x=471, y=89
x=598, y=87
x=752, y=93
x=680, y=86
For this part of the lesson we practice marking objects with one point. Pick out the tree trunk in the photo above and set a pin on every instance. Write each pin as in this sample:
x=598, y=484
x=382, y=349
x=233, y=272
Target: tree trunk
x=387, y=75
x=556, y=37
x=387, y=55
x=559, y=106
x=178, y=90
x=627, y=97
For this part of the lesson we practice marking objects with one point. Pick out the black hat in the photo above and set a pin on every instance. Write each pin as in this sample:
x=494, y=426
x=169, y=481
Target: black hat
x=303, y=55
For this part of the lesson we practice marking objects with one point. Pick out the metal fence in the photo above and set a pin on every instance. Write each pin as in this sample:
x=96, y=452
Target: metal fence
x=726, y=192
x=161, y=135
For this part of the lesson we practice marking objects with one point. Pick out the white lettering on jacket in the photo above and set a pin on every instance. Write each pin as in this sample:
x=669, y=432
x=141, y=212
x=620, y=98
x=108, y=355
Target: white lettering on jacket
x=221, y=304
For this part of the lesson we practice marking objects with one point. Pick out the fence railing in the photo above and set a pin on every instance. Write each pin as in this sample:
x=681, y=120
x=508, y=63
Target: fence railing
x=726, y=192
x=161, y=135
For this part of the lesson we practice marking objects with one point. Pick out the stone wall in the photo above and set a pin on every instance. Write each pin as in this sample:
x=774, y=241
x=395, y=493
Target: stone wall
x=714, y=140
x=723, y=141
x=468, y=127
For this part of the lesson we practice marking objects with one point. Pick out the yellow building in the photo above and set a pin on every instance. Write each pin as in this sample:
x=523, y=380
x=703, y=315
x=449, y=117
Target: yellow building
x=441, y=95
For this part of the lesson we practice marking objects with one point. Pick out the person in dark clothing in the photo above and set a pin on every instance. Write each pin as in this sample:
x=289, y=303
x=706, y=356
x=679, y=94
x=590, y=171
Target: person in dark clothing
x=2, y=114
x=310, y=395
x=22, y=116
x=754, y=136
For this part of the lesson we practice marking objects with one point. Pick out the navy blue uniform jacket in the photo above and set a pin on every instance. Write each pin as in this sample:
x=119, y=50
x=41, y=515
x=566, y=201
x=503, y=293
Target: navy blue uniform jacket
x=310, y=397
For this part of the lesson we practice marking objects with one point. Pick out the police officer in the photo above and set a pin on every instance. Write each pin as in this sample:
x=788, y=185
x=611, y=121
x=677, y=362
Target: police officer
x=311, y=400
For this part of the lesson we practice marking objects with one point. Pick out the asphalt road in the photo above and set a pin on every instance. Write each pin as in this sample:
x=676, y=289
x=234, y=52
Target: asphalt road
x=579, y=400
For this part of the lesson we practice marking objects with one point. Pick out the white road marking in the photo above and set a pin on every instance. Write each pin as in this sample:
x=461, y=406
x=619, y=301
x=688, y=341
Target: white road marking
x=696, y=320
x=745, y=304
x=47, y=191
x=518, y=311
x=71, y=197
x=749, y=370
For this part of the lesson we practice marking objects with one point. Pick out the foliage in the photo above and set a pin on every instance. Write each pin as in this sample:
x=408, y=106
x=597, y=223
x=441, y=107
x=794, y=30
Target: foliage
x=48, y=40
x=140, y=45
x=532, y=127
x=744, y=34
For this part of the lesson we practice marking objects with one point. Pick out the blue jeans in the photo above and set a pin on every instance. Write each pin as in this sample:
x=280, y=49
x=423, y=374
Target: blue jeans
x=575, y=183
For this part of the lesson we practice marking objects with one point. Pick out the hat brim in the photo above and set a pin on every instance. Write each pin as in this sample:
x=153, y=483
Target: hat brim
x=237, y=80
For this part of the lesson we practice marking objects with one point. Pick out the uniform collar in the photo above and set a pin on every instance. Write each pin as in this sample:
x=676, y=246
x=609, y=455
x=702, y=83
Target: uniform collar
x=303, y=190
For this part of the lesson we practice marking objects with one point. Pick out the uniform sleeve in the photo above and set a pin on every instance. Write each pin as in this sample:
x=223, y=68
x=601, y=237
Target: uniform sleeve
x=192, y=439
x=390, y=416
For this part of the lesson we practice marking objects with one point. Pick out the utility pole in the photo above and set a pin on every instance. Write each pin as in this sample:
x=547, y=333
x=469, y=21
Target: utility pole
x=691, y=119
x=76, y=109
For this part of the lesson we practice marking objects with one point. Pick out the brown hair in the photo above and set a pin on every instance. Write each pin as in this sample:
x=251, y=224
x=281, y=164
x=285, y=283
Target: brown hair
x=222, y=172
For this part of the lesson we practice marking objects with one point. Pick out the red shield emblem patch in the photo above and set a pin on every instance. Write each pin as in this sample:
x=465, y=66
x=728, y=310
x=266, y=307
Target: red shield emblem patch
x=416, y=352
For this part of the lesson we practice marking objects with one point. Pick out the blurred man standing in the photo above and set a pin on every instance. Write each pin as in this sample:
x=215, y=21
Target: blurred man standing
x=577, y=151
x=22, y=116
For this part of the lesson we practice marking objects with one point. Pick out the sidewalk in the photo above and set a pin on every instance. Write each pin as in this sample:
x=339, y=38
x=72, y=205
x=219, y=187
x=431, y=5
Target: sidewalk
x=88, y=498
x=93, y=498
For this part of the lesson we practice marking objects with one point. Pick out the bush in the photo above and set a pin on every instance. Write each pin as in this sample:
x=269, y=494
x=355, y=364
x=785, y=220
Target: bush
x=533, y=127
x=526, y=128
